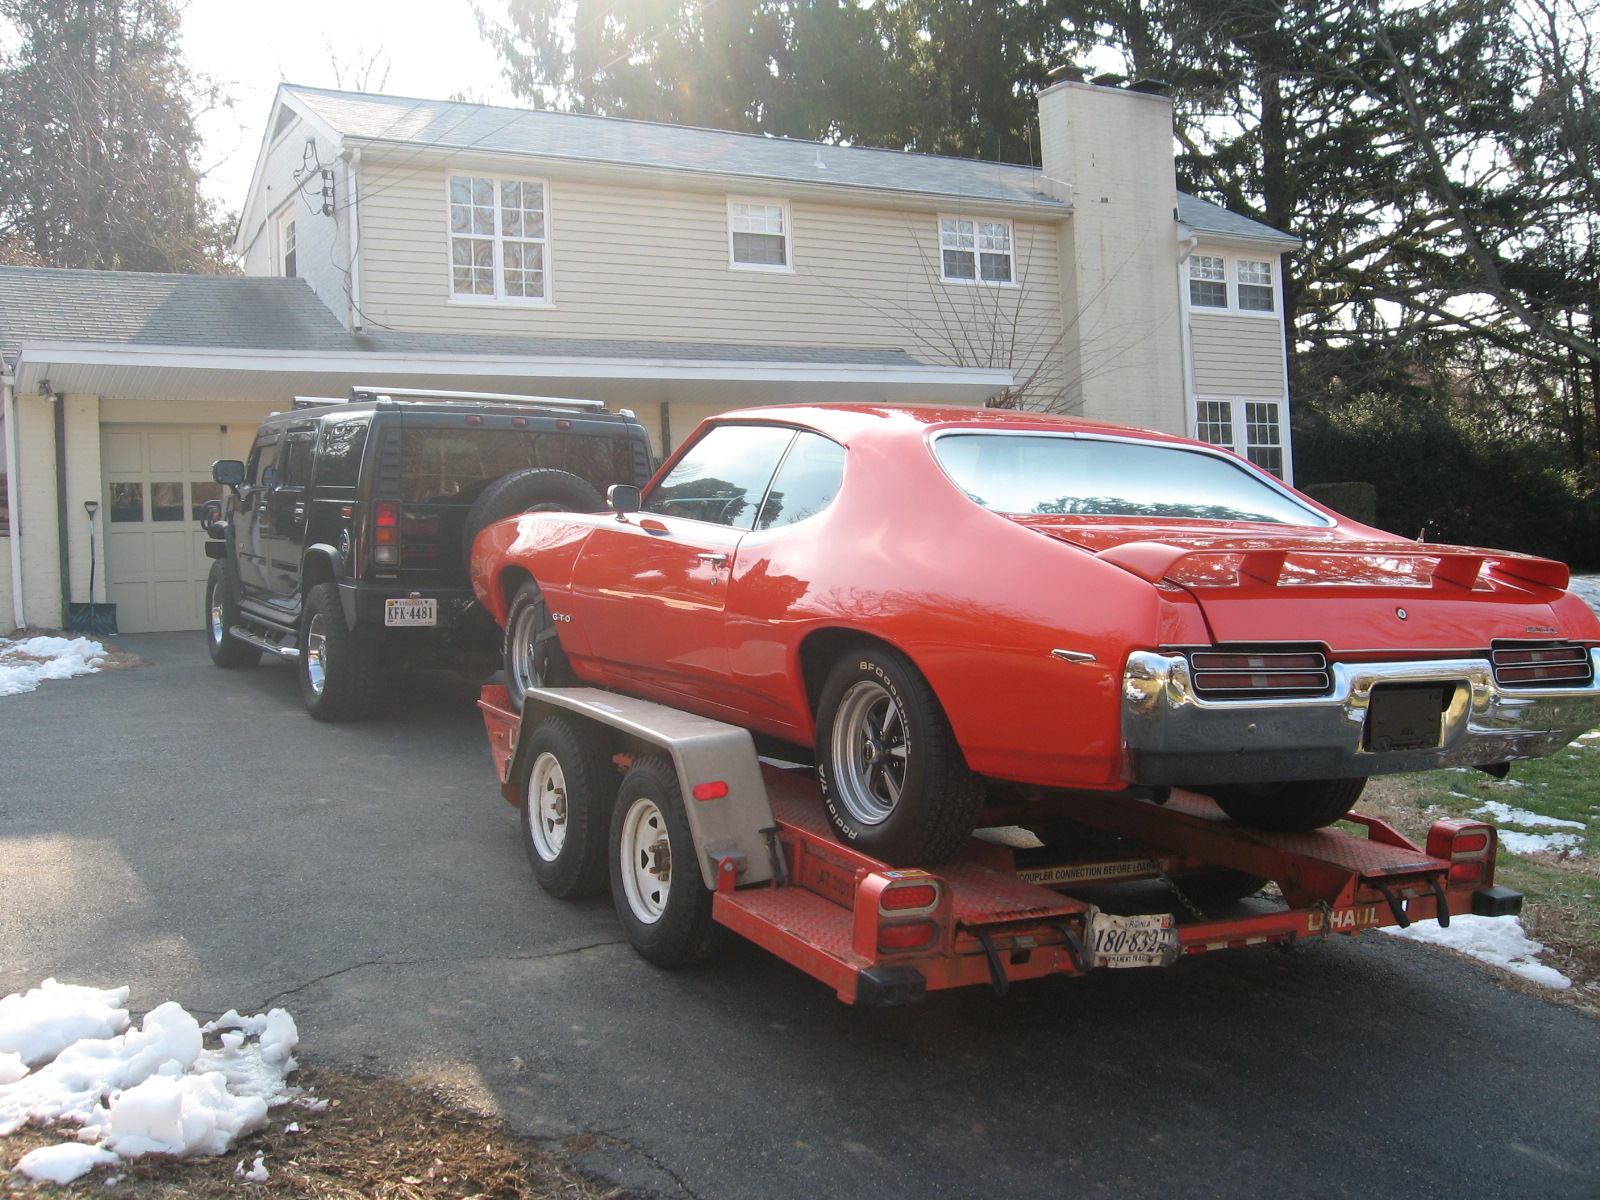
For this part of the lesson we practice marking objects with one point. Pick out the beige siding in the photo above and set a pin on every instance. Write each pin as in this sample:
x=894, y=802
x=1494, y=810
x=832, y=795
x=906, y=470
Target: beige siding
x=1237, y=356
x=637, y=263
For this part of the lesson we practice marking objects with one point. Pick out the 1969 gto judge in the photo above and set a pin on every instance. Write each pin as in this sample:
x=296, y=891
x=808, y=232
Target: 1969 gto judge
x=953, y=604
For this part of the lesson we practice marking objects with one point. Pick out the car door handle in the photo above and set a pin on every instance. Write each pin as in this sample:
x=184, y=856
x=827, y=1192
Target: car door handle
x=299, y=511
x=713, y=560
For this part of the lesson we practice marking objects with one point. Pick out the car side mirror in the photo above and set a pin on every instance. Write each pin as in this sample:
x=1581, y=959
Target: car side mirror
x=623, y=498
x=228, y=471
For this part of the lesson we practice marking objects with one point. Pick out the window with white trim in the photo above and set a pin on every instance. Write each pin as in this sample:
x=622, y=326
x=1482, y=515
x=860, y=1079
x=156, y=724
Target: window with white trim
x=1255, y=285
x=499, y=240
x=973, y=251
x=1208, y=281
x=1230, y=283
x=758, y=235
x=288, y=246
x=1253, y=428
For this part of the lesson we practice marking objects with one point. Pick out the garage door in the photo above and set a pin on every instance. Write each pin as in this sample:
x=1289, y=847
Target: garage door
x=156, y=478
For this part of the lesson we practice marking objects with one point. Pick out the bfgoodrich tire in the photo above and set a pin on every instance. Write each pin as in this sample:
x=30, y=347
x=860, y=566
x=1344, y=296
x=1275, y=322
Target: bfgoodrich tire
x=1296, y=807
x=894, y=779
x=222, y=614
x=661, y=898
x=568, y=786
x=338, y=671
x=531, y=650
x=534, y=489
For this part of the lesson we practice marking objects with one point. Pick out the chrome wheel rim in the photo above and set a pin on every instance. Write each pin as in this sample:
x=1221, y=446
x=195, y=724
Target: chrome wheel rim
x=646, y=860
x=217, y=628
x=870, y=752
x=546, y=801
x=316, y=652
x=526, y=658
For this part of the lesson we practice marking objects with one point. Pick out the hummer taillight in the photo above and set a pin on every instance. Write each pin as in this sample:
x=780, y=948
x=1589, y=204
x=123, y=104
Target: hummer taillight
x=386, y=533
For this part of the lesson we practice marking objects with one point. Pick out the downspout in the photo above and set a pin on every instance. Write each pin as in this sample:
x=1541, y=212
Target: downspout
x=7, y=384
x=1186, y=247
x=63, y=550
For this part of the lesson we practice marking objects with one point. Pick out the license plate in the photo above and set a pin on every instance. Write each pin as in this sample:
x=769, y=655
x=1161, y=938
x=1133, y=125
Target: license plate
x=1405, y=717
x=1147, y=941
x=410, y=612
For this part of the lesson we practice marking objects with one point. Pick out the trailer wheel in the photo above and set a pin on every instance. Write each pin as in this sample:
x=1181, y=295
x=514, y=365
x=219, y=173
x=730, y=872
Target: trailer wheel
x=338, y=671
x=567, y=786
x=222, y=614
x=661, y=899
x=532, y=651
x=1220, y=886
x=1296, y=807
x=893, y=778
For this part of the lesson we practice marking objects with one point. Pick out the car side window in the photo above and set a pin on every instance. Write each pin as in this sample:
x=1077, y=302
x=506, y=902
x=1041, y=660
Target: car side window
x=806, y=483
x=723, y=477
x=297, y=459
x=263, y=453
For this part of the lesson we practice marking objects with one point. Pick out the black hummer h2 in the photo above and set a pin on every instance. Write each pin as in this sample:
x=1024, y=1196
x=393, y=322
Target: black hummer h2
x=344, y=540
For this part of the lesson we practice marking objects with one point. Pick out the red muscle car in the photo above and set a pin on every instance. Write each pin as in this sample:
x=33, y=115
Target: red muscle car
x=947, y=604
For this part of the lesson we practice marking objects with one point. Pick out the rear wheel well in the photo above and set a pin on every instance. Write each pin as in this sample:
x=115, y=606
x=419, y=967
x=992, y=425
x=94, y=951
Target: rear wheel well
x=511, y=579
x=317, y=568
x=820, y=650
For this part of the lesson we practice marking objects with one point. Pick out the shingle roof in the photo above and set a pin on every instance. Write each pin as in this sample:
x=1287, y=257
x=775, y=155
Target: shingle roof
x=263, y=313
x=1206, y=217
x=584, y=138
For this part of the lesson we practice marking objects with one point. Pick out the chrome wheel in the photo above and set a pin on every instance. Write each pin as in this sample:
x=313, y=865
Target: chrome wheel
x=870, y=752
x=527, y=661
x=219, y=628
x=645, y=854
x=316, y=649
x=546, y=799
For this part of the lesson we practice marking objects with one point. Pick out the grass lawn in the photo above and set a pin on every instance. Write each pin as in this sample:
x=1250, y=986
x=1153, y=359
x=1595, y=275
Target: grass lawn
x=1561, y=884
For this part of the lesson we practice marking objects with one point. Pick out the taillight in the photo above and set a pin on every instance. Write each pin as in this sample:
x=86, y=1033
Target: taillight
x=920, y=895
x=1546, y=664
x=710, y=791
x=907, y=935
x=1469, y=848
x=1223, y=673
x=386, y=533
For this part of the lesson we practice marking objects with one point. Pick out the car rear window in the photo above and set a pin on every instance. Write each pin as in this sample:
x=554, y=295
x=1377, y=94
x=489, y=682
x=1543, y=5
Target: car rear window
x=452, y=466
x=1086, y=476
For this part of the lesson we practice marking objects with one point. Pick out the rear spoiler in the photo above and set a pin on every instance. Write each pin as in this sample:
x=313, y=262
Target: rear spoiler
x=1451, y=566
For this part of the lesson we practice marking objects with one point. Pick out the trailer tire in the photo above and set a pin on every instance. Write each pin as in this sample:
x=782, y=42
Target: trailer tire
x=893, y=778
x=1224, y=885
x=222, y=614
x=339, y=672
x=660, y=896
x=532, y=651
x=567, y=785
x=1296, y=807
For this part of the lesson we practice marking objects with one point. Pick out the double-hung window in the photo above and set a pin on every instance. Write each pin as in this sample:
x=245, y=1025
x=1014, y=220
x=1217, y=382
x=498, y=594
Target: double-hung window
x=975, y=251
x=288, y=245
x=1253, y=428
x=1225, y=283
x=499, y=240
x=758, y=235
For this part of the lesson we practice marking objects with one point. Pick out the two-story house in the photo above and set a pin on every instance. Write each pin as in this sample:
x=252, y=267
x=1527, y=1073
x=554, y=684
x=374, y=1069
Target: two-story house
x=677, y=272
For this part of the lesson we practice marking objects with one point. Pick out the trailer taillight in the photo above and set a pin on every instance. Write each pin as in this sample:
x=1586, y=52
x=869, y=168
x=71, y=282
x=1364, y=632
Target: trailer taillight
x=907, y=935
x=919, y=895
x=1469, y=848
x=900, y=912
x=710, y=791
x=386, y=533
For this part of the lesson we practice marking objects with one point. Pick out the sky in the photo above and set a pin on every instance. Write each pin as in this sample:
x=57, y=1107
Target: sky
x=430, y=49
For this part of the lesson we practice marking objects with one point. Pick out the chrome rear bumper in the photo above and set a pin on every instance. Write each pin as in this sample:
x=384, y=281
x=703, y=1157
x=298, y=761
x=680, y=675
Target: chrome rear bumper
x=1173, y=736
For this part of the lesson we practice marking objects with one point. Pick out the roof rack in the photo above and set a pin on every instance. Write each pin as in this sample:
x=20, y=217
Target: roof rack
x=361, y=392
x=316, y=401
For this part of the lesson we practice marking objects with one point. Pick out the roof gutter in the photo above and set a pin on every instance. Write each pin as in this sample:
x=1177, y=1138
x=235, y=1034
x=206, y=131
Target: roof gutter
x=9, y=392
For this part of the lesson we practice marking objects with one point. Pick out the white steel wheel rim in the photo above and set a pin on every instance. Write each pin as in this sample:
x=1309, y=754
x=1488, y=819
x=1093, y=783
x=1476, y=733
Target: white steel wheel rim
x=525, y=672
x=546, y=800
x=646, y=859
x=869, y=752
x=316, y=650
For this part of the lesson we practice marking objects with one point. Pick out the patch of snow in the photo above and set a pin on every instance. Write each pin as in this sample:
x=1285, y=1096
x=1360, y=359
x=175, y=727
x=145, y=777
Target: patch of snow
x=151, y=1090
x=25, y=664
x=257, y=1173
x=1539, y=843
x=39, y=1024
x=63, y=1163
x=1497, y=940
x=1521, y=816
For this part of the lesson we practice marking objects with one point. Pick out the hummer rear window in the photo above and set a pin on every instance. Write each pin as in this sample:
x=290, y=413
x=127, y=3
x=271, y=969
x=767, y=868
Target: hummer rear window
x=453, y=466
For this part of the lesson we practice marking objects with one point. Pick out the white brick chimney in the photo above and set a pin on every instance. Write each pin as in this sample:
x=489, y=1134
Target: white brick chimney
x=1121, y=306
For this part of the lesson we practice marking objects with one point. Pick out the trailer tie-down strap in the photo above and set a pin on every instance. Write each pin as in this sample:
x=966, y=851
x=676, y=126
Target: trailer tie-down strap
x=1441, y=902
x=1075, y=948
x=997, y=970
x=1395, y=905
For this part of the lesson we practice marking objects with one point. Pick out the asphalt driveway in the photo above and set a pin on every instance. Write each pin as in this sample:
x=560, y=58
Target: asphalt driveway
x=192, y=833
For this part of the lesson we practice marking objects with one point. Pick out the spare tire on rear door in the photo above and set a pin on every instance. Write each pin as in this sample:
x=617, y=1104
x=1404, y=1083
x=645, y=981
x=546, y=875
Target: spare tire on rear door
x=534, y=489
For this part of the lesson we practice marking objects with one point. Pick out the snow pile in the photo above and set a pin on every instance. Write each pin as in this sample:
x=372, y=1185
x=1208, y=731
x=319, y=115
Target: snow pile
x=26, y=664
x=1497, y=940
x=1532, y=843
x=151, y=1090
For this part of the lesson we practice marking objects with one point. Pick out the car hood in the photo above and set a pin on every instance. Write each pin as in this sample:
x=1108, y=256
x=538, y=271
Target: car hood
x=1349, y=593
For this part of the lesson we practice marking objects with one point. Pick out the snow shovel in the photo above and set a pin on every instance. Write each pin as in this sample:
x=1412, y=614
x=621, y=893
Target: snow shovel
x=98, y=620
